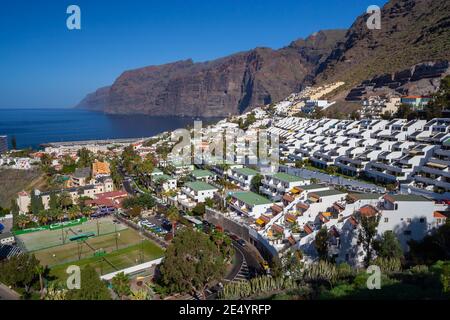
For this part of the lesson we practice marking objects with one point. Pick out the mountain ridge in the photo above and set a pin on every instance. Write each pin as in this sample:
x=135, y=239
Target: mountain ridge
x=412, y=32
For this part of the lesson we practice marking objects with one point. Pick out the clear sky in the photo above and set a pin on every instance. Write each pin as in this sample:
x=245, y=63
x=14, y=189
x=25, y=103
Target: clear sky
x=43, y=64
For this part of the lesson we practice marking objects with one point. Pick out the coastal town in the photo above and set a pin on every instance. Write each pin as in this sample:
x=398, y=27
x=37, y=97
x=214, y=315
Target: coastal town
x=343, y=190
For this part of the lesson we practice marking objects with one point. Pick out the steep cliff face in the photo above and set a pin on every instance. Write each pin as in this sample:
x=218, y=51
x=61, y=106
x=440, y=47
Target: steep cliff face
x=229, y=85
x=412, y=31
x=95, y=101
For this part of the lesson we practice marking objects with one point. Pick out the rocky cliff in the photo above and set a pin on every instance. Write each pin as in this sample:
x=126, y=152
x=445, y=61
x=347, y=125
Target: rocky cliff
x=412, y=32
x=229, y=85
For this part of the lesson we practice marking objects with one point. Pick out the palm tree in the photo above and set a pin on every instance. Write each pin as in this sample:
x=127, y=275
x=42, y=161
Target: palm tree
x=173, y=215
x=23, y=221
x=40, y=270
x=43, y=217
x=73, y=212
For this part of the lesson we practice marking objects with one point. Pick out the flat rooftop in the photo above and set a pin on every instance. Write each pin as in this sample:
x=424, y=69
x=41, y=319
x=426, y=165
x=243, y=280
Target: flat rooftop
x=201, y=174
x=287, y=177
x=251, y=198
x=246, y=171
x=200, y=186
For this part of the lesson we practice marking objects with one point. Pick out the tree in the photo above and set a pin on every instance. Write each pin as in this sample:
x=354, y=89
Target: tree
x=65, y=200
x=367, y=233
x=432, y=248
x=121, y=285
x=440, y=100
x=92, y=288
x=85, y=158
x=173, y=215
x=256, y=183
x=388, y=246
x=15, y=213
x=355, y=115
x=199, y=209
x=332, y=170
x=19, y=271
x=53, y=202
x=14, y=143
x=192, y=261
x=321, y=243
x=36, y=204
x=40, y=270
x=209, y=202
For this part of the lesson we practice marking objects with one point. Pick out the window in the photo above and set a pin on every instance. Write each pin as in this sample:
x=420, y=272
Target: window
x=408, y=220
x=386, y=220
x=396, y=206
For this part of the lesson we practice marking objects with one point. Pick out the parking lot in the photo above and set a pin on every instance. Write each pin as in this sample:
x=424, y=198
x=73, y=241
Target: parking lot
x=349, y=184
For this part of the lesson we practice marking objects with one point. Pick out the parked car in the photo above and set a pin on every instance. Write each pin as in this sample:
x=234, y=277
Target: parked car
x=241, y=242
x=234, y=237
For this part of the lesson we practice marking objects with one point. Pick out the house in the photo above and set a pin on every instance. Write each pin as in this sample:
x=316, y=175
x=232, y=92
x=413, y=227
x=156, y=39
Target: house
x=410, y=217
x=199, y=191
x=242, y=177
x=111, y=199
x=90, y=191
x=101, y=169
x=249, y=204
x=203, y=175
x=275, y=186
x=81, y=177
x=164, y=181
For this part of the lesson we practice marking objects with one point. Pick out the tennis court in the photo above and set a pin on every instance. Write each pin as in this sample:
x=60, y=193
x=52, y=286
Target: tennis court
x=40, y=240
x=114, y=261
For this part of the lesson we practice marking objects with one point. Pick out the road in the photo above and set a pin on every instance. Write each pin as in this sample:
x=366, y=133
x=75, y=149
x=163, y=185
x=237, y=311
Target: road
x=8, y=294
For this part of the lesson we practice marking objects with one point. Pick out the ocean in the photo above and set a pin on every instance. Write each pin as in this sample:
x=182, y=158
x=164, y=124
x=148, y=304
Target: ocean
x=33, y=127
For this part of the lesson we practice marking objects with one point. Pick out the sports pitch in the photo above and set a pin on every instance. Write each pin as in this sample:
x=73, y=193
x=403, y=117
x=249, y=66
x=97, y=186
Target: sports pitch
x=114, y=261
x=52, y=238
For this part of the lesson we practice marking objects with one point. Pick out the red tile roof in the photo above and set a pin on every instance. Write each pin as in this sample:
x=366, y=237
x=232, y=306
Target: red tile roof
x=368, y=211
x=277, y=228
x=439, y=215
x=288, y=198
x=307, y=229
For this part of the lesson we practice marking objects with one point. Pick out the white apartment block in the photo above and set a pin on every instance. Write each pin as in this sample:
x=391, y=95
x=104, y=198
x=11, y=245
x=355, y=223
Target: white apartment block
x=242, y=177
x=275, y=186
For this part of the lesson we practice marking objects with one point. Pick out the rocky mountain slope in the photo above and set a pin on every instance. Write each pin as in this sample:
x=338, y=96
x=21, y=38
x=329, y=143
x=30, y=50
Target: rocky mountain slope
x=229, y=85
x=412, y=32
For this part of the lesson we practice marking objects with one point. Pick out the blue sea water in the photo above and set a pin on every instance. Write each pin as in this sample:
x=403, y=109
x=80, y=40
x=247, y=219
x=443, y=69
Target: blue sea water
x=33, y=127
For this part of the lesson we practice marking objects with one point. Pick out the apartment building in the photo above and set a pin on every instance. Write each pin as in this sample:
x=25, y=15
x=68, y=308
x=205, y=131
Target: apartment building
x=249, y=204
x=242, y=177
x=275, y=186
x=195, y=192
x=90, y=191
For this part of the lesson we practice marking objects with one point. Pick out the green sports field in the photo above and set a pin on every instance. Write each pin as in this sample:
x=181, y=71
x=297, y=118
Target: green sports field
x=114, y=261
x=51, y=238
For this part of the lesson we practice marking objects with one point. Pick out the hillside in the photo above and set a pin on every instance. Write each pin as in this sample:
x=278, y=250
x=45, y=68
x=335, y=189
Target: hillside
x=412, y=31
x=230, y=85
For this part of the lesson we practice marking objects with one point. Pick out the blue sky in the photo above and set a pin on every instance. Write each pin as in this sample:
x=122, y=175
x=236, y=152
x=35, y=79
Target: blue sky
x=43, y=64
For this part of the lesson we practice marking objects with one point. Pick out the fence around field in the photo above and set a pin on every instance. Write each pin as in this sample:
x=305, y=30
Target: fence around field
x=59, y=235
x=54, y=226
x=133, y=270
